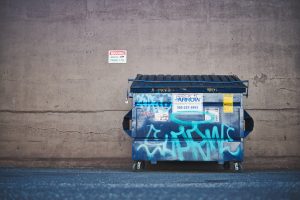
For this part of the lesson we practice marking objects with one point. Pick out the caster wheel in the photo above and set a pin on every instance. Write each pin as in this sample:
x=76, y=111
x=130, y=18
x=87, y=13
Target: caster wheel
x=138, y=165
x=134, y=166
x=226, y=165
x=237, y=167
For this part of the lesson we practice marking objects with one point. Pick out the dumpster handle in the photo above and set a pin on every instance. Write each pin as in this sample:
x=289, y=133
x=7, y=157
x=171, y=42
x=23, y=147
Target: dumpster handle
x=249, y=123
x=126, y=122
x=247, y=91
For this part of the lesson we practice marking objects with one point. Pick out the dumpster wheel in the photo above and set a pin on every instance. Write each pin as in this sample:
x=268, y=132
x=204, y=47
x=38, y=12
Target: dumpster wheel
x=237, y=166
x=138, y=166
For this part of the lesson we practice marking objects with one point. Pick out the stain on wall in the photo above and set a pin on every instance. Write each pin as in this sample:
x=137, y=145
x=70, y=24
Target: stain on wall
x=259, y=79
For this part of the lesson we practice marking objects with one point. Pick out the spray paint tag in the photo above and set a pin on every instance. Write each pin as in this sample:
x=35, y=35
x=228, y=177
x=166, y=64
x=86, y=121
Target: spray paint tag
x=212, y=111
x=228, y=103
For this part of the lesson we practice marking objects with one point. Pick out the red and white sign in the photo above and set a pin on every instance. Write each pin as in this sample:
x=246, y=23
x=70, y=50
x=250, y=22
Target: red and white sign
x=117, y=56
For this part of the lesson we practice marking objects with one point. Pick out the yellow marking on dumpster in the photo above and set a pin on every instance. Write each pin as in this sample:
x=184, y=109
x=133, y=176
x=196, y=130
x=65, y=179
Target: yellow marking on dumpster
x=228, y=103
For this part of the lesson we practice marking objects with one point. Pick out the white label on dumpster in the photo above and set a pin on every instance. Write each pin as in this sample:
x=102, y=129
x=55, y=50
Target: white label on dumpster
x=212, y=112
x=187, y=102
x=161, y=116
x=117, y=56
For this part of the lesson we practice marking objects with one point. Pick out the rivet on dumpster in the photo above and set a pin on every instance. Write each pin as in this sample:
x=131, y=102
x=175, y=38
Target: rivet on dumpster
x=188, y=118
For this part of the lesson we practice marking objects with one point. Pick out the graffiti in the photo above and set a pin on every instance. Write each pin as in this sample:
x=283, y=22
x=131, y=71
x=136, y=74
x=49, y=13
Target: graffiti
x=160, y=148
x=211, y=146
x=153, y=101
x=192, y=136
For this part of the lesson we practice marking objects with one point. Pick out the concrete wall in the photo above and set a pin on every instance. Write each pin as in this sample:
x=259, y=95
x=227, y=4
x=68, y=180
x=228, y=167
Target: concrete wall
x=61, y=103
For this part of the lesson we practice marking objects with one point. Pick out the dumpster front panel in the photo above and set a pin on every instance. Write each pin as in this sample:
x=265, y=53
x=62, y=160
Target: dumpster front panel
x=187, y=132
x=187, y=150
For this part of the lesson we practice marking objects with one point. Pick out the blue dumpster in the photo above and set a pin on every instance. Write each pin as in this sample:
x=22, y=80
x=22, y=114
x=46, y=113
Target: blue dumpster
x=188, y=118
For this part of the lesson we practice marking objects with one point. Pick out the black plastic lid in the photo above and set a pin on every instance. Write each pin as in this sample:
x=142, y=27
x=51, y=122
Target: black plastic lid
x=188, y=84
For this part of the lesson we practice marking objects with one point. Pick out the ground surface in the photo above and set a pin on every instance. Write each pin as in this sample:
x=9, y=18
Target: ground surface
x=104, y=184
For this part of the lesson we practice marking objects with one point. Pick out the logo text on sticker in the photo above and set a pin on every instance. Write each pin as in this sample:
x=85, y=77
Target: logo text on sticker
x=189, y=99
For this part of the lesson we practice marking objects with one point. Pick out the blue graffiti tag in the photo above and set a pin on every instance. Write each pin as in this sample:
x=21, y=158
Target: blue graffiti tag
x=212, y=143
x=152, y=101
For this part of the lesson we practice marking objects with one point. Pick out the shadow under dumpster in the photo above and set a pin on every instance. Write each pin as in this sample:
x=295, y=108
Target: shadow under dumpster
x=186, y=167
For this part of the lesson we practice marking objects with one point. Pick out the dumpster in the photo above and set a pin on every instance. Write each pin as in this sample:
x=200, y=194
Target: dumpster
x=187, y=118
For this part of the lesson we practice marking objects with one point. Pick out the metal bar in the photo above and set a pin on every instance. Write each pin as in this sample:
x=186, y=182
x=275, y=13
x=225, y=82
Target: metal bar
x=183, y=81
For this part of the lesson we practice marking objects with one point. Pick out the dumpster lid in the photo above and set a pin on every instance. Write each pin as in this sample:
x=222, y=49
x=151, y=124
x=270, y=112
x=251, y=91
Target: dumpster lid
x=188, y=84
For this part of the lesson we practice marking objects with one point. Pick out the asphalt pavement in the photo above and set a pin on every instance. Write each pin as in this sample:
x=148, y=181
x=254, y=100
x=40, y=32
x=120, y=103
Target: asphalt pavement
x=16, y=183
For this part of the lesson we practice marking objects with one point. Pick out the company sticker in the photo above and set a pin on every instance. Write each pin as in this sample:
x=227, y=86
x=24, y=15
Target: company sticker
x=187, y=102
x=161, y=116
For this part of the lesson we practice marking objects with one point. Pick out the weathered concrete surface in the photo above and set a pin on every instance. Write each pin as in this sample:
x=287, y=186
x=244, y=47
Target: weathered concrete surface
x=60, y=99
x=107, y=184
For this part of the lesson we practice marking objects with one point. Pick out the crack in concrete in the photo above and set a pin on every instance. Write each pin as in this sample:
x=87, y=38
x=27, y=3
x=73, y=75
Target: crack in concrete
x=287, y=89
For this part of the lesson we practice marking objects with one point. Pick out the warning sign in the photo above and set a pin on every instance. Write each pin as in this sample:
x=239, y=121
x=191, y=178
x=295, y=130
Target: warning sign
x=117, y=56
x=228, y=103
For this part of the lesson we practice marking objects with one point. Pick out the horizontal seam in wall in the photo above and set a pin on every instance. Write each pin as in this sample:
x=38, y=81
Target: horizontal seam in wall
x=60, y=111
x=65, y=159
x=101, y=111
x=271, y=157
x=113, y=159
x=271, y=109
